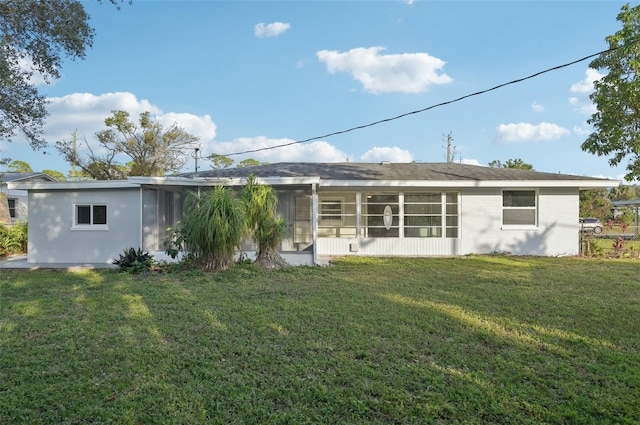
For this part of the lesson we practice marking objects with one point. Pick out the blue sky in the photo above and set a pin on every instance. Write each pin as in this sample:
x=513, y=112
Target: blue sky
x=246, y=75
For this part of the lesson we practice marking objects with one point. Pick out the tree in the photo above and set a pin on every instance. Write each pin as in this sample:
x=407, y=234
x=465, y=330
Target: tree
x=56, y=175
x=152, y=149
x=212, y=227
x=35, y=36
x=19, y=167
x=220, y=161
x=511, y=163
x=595, y=203
x=624, y=192
x=250, y=162
x=260, y=202
x=616, y=123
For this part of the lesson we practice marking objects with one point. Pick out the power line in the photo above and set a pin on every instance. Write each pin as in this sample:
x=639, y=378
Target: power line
x=335, y=133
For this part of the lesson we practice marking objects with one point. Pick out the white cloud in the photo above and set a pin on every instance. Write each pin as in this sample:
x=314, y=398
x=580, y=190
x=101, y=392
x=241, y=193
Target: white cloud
x=583, y=130
x=274, y=29
x=85, y=113
x=583, y=105
x=583, y=89
x=471, y=162
x=36, y=78
x=520, y=132
x=537, y=107
x=319, y=151
x=378, y=73
x=586, y=85
x=391, y=154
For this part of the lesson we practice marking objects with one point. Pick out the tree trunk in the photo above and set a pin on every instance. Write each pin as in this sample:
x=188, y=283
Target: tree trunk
x=270, y=259
x=5, y=217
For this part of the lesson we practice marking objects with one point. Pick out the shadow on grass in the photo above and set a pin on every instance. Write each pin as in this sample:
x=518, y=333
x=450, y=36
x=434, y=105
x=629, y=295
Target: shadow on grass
x=397, y=341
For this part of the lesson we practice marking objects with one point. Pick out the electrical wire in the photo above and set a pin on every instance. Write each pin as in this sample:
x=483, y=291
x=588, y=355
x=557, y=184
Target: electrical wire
x=335, y=133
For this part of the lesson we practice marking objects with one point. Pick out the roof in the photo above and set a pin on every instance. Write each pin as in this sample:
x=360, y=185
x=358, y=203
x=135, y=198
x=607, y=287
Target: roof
x=32, y=176
x=72, y=185
x=414, y=171
x=627, y=203
x=385, y=171
x=348, y=174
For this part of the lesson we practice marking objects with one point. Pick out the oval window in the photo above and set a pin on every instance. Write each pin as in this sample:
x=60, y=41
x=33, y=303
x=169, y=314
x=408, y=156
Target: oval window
x=387, y=217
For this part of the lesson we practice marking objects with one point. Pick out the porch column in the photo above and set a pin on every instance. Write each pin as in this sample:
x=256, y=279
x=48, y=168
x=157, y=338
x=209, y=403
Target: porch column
x=314, y=222
x=358, y=215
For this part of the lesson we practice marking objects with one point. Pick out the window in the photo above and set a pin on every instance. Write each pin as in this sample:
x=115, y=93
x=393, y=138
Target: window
x=12, y=207
x=519, y=208
x=331, y=209
x=90, y=215
x=337, y=215
x=424, y=216
x=451, y=213
x=381, y=215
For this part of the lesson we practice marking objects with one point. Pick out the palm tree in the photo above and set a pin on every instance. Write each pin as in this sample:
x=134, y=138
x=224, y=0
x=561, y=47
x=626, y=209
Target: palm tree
x=212, y=227
x=260, y=202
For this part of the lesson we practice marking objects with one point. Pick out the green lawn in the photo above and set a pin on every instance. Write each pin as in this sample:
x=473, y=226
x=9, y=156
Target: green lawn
x=459, y=340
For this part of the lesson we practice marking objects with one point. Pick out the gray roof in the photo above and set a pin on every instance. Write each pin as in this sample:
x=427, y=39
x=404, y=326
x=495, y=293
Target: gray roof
x=388, y=171
x=32, y=176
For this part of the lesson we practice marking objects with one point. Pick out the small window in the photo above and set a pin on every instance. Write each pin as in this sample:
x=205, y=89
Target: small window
x=91, y=215
x=12, y=207
x=331, y=209
x=519, y=208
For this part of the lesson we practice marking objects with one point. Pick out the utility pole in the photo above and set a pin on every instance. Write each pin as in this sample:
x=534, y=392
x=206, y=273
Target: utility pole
x=74, y=176
x=449, y=149
x=196, y=157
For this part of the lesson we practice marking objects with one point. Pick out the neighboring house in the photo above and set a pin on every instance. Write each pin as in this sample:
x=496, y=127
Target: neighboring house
x=330, y=209
x=17, y=199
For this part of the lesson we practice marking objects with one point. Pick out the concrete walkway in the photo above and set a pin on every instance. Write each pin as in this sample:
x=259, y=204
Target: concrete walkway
x=20, y=262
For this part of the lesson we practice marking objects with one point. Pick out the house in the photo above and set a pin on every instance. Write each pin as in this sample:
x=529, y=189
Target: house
x=330, y=209
x=17, y=199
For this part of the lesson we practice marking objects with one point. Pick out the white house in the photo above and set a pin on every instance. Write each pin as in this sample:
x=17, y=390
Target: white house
x=17, y=199
x=331, y=209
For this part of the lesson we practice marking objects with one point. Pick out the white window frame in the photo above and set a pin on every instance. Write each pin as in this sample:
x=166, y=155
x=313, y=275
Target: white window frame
x=527, y=208
x=13, y=209
x=90, y=225
x=334, y=200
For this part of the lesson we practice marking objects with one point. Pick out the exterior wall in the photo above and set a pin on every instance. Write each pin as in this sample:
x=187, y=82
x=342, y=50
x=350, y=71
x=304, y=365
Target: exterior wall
x=481, y=230
x=556, y=234
x=51, y=218
x=389, y=247
x=21, y=197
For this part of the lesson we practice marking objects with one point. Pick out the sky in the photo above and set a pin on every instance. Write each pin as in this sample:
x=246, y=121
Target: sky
x=250, y=75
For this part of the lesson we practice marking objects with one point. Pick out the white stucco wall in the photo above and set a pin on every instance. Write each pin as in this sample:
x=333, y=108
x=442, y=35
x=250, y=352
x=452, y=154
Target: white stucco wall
x=556, y=234
x=21, y=197
x=52, y=238
x=481, y=230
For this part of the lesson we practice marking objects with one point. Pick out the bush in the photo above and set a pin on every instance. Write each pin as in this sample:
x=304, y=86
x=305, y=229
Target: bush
x=13, y=239
x=134, y=261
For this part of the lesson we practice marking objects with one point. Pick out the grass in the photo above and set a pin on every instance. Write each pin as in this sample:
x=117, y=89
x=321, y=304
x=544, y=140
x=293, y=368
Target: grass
x=406, y=341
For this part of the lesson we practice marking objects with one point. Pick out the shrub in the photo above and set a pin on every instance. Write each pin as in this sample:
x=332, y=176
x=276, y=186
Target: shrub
x=212, y=227
x=13, y=239
x=134, y=261
x=619, y=247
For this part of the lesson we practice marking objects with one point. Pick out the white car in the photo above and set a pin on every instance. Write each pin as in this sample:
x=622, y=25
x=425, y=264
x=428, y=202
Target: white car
x=591, y=224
